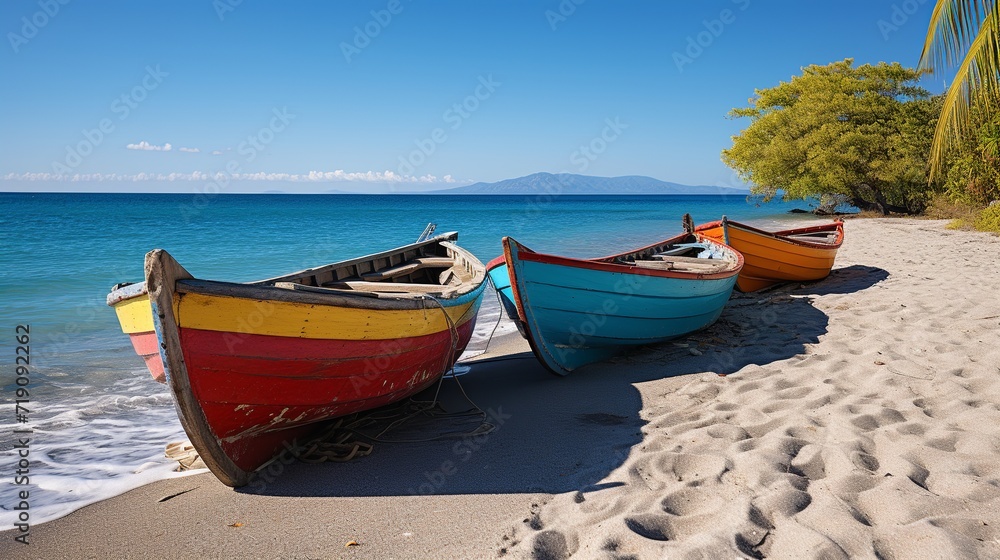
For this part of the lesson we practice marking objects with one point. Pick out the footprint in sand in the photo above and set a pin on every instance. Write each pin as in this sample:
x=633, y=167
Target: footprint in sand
x=553, y=545
x=946, y=443
x=688, y=468
x=725, y=407
x=922, y=405
x=728, y=432
x=778, y=406
x=808, y=462
x=747, y=387
x=653, y=526
x=912, y=429
x=865, y=422
x=782, y=503
x=865, y=461
x=693, y=501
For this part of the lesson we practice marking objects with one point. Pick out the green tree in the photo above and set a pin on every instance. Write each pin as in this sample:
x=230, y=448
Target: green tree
x=863, y=133
x=973, y=167
x=963, y=34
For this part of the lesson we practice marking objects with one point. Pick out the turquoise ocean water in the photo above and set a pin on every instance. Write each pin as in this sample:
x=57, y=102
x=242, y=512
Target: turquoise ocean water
x=100, y=422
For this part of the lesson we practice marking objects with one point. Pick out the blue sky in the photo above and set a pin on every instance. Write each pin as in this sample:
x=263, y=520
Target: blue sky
x=403, y=94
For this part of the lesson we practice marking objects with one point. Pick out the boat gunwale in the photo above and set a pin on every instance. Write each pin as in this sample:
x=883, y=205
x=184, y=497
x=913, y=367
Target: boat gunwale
x=450, y=237
x=266, y=290
x=330, y=297
x=604, y=264
x=125, y=293
x=782, y=235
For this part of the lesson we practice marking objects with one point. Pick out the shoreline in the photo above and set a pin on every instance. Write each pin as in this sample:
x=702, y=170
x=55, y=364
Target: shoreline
x=859, y=416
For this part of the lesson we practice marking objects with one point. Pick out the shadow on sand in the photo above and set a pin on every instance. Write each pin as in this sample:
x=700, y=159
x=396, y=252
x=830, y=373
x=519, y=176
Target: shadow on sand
x=555, y=434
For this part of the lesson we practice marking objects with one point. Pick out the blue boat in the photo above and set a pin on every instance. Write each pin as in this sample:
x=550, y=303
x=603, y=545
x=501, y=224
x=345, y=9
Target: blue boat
x=576, y=312
x=497, y=272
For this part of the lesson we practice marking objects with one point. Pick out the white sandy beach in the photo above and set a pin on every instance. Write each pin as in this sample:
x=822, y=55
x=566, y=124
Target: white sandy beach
x=857, y=417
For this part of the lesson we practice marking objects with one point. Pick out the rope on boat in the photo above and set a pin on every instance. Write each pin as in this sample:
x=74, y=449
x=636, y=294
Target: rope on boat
x=489, y=339
x=334, y=445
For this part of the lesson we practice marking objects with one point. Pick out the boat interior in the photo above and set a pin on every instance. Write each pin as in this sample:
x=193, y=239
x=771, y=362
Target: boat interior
x=694, y=255
x=436, y=267
x=828, y=237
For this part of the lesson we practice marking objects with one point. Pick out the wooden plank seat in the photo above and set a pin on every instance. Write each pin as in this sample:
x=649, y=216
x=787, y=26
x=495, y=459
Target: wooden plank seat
x=409, y=267
x=815, y=237
x=672, y=252
x=395, y=289
x=704, y=266
x=695, y=260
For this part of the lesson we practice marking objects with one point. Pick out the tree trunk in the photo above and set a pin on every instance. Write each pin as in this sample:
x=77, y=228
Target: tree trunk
x=880, y=204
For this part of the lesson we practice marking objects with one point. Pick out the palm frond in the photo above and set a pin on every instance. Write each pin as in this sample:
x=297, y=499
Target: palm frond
x=966, y=33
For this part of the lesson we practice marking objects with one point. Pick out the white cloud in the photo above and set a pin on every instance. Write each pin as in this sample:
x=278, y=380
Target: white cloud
x=216, y=153
x=190, y=150
x=143, y=145
x=310, y=177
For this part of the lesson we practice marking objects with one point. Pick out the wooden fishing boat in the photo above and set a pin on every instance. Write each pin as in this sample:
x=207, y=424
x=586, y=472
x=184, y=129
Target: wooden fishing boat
x=496, y=269
x=576, y=312
x=135, y=316
x=253, y=366
x=793, y=255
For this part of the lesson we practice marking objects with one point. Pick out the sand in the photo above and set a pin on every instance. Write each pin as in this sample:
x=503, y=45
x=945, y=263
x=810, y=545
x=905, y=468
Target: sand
x=857, y=417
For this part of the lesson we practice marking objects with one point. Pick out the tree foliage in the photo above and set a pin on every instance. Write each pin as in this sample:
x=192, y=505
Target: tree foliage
x=965, y=35
x=863, y=133
x=973, y=168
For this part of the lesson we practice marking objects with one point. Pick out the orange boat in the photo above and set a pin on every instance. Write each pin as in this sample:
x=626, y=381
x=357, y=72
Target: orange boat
x=792, y=255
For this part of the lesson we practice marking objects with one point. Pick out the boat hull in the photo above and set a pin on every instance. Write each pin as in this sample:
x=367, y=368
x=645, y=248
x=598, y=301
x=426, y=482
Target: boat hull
x=255, y=367
x=135, y=316
x=257, y=391
x=580, y=312
x=772, y=258
x=500, y=278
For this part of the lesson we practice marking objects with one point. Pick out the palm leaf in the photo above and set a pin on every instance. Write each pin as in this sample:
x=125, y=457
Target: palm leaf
x=966, y=33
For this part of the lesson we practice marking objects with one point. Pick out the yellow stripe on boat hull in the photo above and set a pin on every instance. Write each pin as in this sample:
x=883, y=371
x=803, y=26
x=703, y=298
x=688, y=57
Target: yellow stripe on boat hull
x=135, y=315
x=303, y=320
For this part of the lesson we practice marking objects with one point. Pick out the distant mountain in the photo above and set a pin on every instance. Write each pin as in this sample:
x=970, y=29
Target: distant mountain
x=568, y=183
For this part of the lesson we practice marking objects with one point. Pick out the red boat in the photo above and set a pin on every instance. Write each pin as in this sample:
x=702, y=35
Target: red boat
x=253, y=366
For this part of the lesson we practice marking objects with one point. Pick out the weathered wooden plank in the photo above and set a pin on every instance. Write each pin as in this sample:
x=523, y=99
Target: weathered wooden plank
x=410, y=267
x=703, y=267
x=390, y=287
x=687, y=259
x=367, y=259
